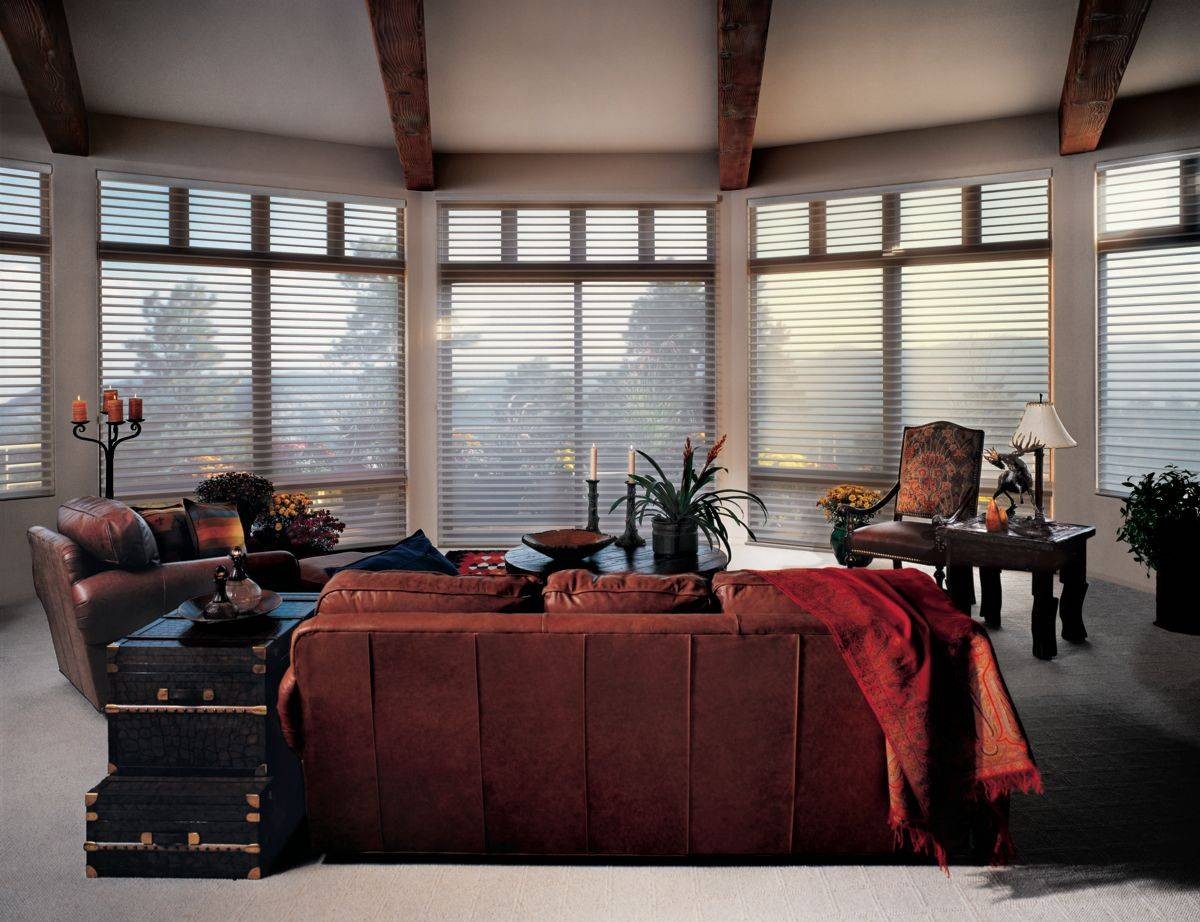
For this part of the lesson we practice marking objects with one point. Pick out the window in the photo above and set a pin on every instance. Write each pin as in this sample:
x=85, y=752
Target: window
x=870, y=311
x=560, y=327
x=1148, y=254
x=26, y=459
x=265, y=332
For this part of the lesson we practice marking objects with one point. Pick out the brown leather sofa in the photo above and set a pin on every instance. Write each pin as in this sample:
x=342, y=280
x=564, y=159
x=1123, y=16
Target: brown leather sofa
x=428, y=728
x=99, y=578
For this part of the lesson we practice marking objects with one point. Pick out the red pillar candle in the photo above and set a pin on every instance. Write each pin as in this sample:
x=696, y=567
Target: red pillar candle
x=115, y=410
x=79, y=410
x=135, y=409
x=110, y=393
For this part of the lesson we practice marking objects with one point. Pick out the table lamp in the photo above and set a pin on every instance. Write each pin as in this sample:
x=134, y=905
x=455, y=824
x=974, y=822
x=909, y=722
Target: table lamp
x=1039, y=429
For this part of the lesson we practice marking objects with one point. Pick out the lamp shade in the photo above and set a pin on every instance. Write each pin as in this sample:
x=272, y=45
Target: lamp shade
x=1041, y=425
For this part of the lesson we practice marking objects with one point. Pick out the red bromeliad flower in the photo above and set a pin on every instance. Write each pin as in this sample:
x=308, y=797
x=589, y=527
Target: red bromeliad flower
x=688, y=451
x=714, y=451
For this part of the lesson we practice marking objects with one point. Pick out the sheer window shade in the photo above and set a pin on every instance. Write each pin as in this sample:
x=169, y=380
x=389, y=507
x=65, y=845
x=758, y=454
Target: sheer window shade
x=870, y=312
x=26, y=458
x=1148, y=245
x=265, y=333
x=559, y=327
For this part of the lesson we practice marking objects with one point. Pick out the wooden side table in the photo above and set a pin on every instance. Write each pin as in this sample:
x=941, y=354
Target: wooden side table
x=1063, y=550
x=526, y=561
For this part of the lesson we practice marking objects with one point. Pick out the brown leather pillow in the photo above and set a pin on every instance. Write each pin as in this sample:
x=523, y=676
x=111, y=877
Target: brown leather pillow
x=581, y=592
x=215, y=528
x=109, y=531
x=742, y=592
x=172, y=534
x=410, y=590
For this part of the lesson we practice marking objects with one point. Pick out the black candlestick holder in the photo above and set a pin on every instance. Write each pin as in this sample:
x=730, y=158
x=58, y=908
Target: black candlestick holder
x=593, y=519
x=108, y=443
x=630, y=539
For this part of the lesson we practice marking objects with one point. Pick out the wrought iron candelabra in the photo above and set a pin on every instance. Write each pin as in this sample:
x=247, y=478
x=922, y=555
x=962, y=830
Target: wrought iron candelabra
x=630, y=539
x=108, y=443
x=593, y=519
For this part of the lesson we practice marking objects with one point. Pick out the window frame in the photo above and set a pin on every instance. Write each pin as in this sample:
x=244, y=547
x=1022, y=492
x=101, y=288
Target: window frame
x=1128, y=241
x=41, y=246
x=260, y=261
x=891, y=258
x=576, y=270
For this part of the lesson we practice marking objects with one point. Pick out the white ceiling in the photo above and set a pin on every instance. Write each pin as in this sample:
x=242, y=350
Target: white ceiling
x=595, y=75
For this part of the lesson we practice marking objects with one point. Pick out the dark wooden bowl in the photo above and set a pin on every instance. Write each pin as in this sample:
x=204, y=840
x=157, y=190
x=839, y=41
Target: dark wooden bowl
x=568, y=543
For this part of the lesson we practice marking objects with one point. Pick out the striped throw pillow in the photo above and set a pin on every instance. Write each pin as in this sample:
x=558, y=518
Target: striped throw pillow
x=216, y=527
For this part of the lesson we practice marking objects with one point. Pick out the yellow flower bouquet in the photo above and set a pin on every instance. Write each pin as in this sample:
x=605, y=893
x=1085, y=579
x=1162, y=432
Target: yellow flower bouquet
x=857, y=497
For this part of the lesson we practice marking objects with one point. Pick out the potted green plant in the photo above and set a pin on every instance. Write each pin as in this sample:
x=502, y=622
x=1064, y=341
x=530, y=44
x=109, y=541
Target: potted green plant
x=1161, y=522
x=680, y=513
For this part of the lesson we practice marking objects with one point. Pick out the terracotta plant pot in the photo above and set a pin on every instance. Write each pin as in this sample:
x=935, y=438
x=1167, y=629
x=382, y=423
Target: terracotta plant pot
x=675, y=539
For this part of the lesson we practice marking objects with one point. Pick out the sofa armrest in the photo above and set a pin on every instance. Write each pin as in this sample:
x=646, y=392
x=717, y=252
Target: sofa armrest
x=288, y=708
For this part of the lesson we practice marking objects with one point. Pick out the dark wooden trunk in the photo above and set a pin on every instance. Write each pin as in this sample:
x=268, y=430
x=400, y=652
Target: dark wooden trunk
x=201, y=782
x=164, y=826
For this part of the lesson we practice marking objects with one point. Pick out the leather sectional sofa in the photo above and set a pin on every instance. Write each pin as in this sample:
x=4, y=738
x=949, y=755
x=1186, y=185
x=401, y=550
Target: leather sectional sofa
x=477, y=716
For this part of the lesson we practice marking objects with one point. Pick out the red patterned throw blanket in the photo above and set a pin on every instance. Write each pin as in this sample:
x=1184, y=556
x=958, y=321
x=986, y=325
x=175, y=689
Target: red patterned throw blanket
x=929, y=674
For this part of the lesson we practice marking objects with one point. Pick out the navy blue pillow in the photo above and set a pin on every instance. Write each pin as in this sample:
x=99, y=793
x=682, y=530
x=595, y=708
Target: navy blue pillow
x=416, y=552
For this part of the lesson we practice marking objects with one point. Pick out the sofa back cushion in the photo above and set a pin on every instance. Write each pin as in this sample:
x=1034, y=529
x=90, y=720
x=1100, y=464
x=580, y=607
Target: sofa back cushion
x=415, y=591
x=109, y=531
x=581, y=592
x=215, y=528
x=740, y=592
x=172, y=534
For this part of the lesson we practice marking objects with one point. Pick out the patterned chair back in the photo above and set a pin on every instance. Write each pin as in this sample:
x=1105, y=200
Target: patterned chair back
x=939, y=470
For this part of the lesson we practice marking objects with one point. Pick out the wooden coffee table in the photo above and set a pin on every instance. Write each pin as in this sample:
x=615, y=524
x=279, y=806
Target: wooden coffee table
x=526, y=561
x=1063, y=550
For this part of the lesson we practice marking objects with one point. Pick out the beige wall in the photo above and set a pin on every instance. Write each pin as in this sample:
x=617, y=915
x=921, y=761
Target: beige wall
x=1148, y=125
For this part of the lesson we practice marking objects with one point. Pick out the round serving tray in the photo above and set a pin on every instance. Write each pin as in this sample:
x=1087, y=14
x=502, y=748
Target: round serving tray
x=193, y=609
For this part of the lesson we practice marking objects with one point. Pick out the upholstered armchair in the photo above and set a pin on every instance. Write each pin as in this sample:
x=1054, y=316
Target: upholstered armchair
x=939, y=482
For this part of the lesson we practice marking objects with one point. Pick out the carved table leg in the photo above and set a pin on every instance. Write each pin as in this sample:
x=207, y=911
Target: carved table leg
x=1045, y=607
x=1074, y=588
x=991, y=596
x=960, y=583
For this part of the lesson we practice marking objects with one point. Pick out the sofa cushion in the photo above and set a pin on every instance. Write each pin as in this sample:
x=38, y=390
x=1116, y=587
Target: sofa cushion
x=109, y=531
x=215, y=527
x=316, y=571
x=169, y=525
x=760, y=607
x=416, y=552
x=414, y=591
x=582, y=592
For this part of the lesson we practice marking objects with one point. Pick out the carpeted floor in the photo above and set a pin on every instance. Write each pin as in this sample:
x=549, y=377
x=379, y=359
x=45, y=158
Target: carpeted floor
x=1115, y=724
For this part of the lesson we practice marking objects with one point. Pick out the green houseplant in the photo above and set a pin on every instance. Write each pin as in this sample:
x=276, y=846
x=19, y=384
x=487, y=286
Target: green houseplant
x=680, y=512
x=1161, y=521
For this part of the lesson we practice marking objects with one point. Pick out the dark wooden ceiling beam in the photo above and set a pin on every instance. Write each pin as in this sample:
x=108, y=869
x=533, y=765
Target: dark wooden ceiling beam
x=398, y=28
x=741, y=48
x=1105, y=33
x=37, y=38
